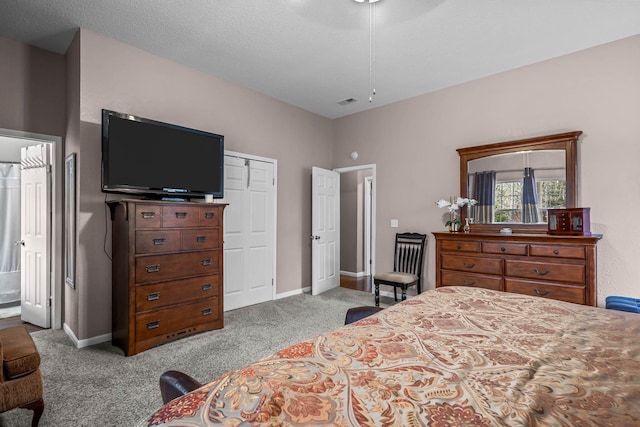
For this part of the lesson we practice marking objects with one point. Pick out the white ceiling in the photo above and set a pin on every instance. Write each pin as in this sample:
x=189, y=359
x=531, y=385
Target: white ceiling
x=315, y=53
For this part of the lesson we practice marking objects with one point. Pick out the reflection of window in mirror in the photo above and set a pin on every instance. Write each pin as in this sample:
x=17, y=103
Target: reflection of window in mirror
x=523, y=186
x=508, y=199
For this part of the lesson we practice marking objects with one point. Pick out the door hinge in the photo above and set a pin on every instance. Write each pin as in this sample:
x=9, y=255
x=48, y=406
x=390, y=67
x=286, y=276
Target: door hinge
x=49, y=301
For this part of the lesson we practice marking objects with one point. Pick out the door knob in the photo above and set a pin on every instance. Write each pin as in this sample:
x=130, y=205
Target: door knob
x=19, y=242
x=314, y=237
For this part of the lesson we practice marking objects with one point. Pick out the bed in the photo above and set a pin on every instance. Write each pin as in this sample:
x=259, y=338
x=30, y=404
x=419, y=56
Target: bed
x=450, y=356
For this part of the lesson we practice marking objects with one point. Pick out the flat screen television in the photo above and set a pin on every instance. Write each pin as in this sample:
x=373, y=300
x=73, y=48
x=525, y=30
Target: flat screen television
x=160, y=160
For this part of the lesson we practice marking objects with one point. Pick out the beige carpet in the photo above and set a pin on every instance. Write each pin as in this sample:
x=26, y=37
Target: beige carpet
x=98, y=386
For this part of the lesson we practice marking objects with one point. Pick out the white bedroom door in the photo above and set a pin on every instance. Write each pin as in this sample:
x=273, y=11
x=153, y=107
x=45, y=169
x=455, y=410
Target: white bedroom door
x=35, y=225
x=249, y=231
x=325, y=230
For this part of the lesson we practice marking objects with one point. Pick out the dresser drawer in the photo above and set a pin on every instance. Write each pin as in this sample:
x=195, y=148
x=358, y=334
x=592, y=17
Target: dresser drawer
x=210, y=216
x=157, y=268
x=180, y=216
x=200, y=239
x=175, y=319
x=504, y=248
x=452, y=246
x=562, y=292
x=148, y=216
x=158, y=295
x=472, y=264
x=574, y=273
x=558, y=251
x=154, y=241
x=450, y=278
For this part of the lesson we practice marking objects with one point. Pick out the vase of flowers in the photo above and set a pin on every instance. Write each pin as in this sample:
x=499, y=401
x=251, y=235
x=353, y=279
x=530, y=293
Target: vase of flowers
x=454, y=205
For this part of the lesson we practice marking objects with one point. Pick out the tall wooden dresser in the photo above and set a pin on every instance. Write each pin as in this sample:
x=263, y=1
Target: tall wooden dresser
x=166, y=271
x=557, y=267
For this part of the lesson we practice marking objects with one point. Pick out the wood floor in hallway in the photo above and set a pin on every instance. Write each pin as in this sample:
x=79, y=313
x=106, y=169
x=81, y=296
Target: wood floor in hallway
x=356, y=283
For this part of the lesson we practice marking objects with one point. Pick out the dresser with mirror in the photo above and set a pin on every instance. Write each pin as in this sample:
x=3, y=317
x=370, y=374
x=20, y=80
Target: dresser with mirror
x=508, y=248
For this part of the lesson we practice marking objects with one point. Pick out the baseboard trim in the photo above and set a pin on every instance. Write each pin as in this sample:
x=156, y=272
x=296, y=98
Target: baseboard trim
x=295, y=292
x=352, y=274
x=86, y=342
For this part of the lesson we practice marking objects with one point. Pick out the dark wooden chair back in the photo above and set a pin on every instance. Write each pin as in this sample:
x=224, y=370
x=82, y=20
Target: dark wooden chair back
x=409, y=254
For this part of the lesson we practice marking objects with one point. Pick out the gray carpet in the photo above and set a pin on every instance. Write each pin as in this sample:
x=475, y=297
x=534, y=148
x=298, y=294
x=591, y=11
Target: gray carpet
x=98, y=386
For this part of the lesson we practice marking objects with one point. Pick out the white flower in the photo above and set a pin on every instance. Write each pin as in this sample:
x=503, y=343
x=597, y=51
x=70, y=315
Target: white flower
x=454, y=207
x=443, y=203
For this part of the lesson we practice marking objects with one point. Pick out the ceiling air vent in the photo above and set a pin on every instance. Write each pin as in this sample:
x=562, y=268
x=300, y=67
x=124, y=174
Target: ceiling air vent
x=347, y=101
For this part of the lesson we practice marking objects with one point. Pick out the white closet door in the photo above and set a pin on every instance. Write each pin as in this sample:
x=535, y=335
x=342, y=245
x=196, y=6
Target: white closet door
x=249, y=232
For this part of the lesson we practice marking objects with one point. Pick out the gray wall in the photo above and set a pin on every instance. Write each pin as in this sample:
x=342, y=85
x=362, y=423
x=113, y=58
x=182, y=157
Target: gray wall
x=118, y=77
x=32, y=88
x=413, y=143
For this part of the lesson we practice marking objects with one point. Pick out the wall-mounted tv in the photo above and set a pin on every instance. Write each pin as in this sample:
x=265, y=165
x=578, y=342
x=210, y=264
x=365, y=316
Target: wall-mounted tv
x=161, y=160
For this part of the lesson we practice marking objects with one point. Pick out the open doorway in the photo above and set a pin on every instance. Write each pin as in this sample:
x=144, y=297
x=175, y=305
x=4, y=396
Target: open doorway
x=11, y=143
x=357, y=226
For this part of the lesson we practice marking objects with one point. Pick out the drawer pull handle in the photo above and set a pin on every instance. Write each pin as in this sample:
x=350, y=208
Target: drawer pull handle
x=153, y=268
x=206, y=287
x=181, y=214
x=556, y=252
x=459, y=247
x=153, y=296
x=158, y=242
x=469, y=265
x=153, y=325
x=539, y=273
x=201, y=239
x=466, y=283
x=206, y=262
x=542, y=293
x=209, y=215
x=206, y=312
x=503, y=249
x=148, y=215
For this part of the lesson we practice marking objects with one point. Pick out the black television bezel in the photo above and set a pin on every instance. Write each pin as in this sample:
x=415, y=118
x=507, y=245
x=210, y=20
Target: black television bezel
x=166, y=193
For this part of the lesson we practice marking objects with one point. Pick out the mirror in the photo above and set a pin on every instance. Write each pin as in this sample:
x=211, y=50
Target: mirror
x=515, y=182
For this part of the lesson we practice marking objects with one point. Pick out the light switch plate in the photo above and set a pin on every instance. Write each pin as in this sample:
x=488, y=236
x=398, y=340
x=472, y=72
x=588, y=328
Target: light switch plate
x=394, y=223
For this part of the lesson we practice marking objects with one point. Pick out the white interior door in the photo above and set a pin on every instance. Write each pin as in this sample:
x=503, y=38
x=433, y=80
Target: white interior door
x=325, y=230
x=35, y=200
x=368, y=190
x=249, y=232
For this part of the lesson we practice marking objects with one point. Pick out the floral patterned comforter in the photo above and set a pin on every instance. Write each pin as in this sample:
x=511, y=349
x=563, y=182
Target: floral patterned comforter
x=448, y=357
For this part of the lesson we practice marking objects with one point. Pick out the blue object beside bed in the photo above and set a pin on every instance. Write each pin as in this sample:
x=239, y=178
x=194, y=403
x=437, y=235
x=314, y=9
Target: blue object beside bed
x=619, y=303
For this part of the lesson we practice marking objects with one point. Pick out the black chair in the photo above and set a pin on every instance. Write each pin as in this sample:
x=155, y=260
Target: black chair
x=356, y=313
x=174, y=384
x=408, y=257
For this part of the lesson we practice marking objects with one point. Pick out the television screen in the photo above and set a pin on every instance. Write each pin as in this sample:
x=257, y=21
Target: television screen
x=152, y=158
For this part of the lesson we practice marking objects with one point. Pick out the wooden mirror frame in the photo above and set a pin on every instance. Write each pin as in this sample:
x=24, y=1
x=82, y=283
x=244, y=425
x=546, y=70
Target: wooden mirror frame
x=563, y=141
